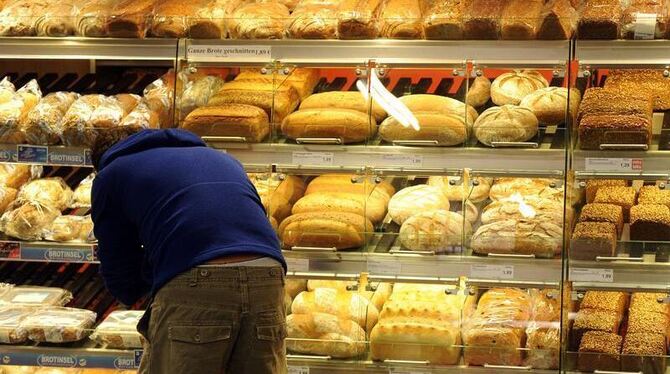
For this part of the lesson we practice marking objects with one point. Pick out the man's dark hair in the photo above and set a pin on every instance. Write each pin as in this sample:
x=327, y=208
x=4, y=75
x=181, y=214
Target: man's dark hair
x=106, y=138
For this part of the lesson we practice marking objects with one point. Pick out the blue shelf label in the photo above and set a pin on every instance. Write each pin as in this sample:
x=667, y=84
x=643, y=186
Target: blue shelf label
x=138, y=357
x=58, y=254
x=67, y=157
x=123, y=361
x=66, y=361
x=33, y=154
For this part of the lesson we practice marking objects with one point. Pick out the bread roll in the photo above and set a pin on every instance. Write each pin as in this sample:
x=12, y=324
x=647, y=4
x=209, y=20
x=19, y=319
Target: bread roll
x=479, y=92
x=350, y=126
x=344, y=100
x=53, y=192
x=415, y=199
x=401, y=19
x=373, y=207
x=259, y=21
x=434, y=230
x=27, y=221
x=277, y=102
x=324, y=334
x=70, y=228
x=461, y=190
x=446, y=130
x=440, y=104
x=303, y=80
x=241, y=120
x=522, y=237
x=550, y=104
x=511, y=88
x=43, y=124
x=507, y=123
x=530, y=207
x=338, y=230
x=343, y=304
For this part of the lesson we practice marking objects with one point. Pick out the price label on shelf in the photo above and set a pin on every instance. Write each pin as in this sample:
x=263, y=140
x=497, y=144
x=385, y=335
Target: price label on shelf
x=591, y=275
x=249, y=53
x=297, y=264
x=645, y=26
x=402, y=160
x=32, y=154
x=614, y=164
x=313, y=158
x=380, y=266
x=298, y=370
x=492, y=271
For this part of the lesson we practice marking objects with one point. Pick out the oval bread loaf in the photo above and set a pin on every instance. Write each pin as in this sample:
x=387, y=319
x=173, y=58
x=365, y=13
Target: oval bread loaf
x=351, y=126
x=344, y=100
x=434, y=230
x=524, y=237
x=324, y=334
x=460, y=191
x=447, y=130
x=344, y=304
x=550, y=104
x=507, y=187
x=373, y=207
x=440, y=104
x=247, y=121
x=349, y=183
x=412, y=200
x=338, y=230
x=506, y=123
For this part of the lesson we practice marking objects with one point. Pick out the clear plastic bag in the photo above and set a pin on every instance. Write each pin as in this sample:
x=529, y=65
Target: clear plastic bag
x=58, y=19
x=59, y=324
x=18, y=17
x=76, y=122
x=131, y=18
x=11, y=331
x=70, y=228
x=119, y=330
x=14, y=111
x=92, y=17
x=7, y=90
x=27, y=221
x=259, y=21
x=43, y=124
x=314, y=19
x=197, y=93
x=443, y=19
x=158, y=97
x=81, y=198
x=52, y=192
x=36, y=296
x=16, y=175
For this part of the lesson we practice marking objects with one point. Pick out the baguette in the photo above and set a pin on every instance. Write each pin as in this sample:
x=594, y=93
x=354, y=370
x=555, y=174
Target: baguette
x=447, y=130
x=241, y=120
x=349, y=126
x=479, y=93
x=338, y=230
x=344, y=100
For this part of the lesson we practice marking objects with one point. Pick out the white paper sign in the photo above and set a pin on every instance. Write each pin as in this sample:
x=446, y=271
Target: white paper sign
x=384, y=267
x=492, y=271
x=313, y=158
x=645, y=26
x=298, y=370
x=297, y=264
x=249, y=53
x=402, y=160
x=614, y=164
x=591, y=275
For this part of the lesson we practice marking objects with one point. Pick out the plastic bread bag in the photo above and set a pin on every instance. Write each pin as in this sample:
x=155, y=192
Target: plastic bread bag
x=7, y=90
x=211, y=21
x=70, y=228
x=645, y=19
x=92, y=17
x=32, y=296
x=259, y=21
x=15, y=110
x=171, y=18
x=16, y=175
x=112, y=110
x=27, y=221
x=357, y=19
x=43, y=124
x=402, y=19
x=76, y=123
x=197, y=93
x=131, y=18
x=142, y=117
x=58, y=19
x=158, y=96
x=4, y=288
x=59, y=324
x=443, y=19
x=7, y=197
x=314, y=19
x=11, y=331
x=18, y=17
x=543, y=331
x=81, y=198
x=119, y=330
x=52, y=192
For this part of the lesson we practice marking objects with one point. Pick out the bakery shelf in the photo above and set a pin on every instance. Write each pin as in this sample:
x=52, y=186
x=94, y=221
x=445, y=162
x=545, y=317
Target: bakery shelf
x=392, y=52
x=45, y=155
x=625, y=53
x=88, y=48
x=47, y=252
x=623, y=274
x=82, y=357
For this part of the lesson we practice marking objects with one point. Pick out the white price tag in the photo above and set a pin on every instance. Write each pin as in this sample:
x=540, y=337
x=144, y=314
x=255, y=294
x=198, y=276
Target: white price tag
x=247, y=53
x=30, y=298
x=645, y=26
x=402, y=160
x=297, y=264
x=384, y=267
x=492, y=271
x=298, y=370
x=614, y=164
x=313, y=158
x=591, y=275
x=406, y=371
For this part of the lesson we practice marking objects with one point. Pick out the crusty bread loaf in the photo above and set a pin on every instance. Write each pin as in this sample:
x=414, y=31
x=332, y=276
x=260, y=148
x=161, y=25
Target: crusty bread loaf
x=349, y=183
x=524, y=237
x=559, y=20
x=401, y=19
x=550, y=104
x=344, y=304
x=373, y=207
x=290, y=187
x=530, y=207
x=277, y=102
x=434, y=230
x=343, y=100
x=446, y=130
x=439, y=104
x=247, y=121
x=350, y=126
x=462, y=190
x=479, y=92
x=512, y=87
x=314, y=19
x=411, y=200
x=504, y=188
x=130, y=18
x=358, y=19
x=324, y=334
x=259, y=21
x=507, y=123
x=338, y=230
x=303, y=80
x=520, y=19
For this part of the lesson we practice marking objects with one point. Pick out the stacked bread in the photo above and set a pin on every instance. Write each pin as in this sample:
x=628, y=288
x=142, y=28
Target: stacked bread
x=337, y=211
x=278, y=194
x=600, y=19
x=15, y=109
x=496, y=333
x=647, y=333
x=420, y=323
x=344, y=116
x=524, y=218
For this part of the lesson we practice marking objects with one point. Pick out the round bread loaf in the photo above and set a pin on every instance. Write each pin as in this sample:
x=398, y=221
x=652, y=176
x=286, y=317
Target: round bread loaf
x=512, y=87
x=507, y=123
x=460, y=191
x=550, y=104
x=415, y=199
x=433, y=231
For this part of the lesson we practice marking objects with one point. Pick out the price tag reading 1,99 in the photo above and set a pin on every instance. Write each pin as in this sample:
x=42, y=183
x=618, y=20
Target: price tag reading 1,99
x=591, y=275
x=298, y=370
x=313, y=158
x=492, y=271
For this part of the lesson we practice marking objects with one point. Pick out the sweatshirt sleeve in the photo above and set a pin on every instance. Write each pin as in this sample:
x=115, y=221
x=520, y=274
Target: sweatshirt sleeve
x=119, y=249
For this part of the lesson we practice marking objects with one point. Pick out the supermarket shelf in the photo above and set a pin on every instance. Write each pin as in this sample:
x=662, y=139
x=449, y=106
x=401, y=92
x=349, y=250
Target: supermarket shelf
x=652, y=163
x=392, y=52
x=624, y=274
x=45, y=155
x=82, y=357
x=542, y=161
x=612, y=53
x=88, y=48
x=47, y=252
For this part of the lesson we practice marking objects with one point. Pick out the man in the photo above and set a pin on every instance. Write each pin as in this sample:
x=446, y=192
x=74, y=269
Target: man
x=183, y=223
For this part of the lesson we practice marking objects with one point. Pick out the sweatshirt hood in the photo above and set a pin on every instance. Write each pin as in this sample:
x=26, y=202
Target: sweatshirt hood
x=149, y=139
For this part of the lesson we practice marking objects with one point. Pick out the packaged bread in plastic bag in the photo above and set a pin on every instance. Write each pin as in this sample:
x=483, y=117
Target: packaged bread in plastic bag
x=142, y=116
x=36, y=296
x=70, y=228
x=119, y=330
x=7, y=90
x=43, y=124
x=16, y=175
x=27, y=221
x=7, y=197
x=11, y=331
x=59, y=324
x=82, y=194
x=58, y=19
x=543, y=334
x=52, y=192
x=131, y=18
x=77, y=120
x=14, y=111
x=18, y=17
x=358, y=19
x=314, y=19
x=112, y=110
x=158, y=97
x=197, y=93
x=92, y=17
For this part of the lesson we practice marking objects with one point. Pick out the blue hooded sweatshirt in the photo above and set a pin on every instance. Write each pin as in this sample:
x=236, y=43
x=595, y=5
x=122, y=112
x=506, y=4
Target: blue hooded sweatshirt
x=163, y=203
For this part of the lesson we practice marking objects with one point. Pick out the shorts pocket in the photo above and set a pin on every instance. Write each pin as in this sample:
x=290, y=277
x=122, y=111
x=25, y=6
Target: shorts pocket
x=272, y=333
x=202, y=347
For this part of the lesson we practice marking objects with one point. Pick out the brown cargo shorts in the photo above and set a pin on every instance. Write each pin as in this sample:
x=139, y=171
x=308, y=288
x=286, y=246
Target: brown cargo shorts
x=215, y=319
